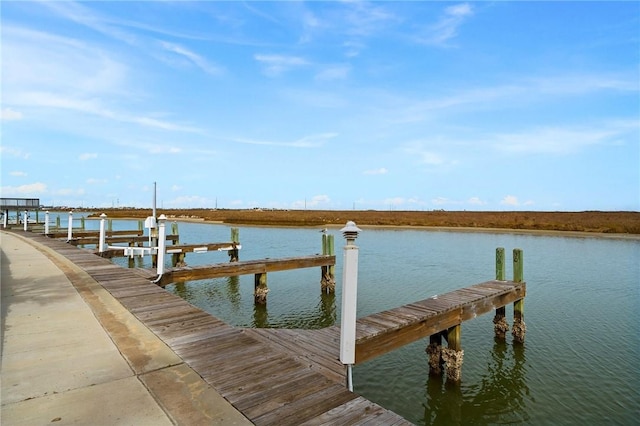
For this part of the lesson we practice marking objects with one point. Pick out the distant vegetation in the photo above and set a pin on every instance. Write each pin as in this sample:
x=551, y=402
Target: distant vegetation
x=588, y=221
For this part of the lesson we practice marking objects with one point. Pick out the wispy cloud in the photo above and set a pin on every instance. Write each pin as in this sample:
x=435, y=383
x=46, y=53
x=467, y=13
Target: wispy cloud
x=274, y=65
x=310, y=141
x=192, y=57
x=380, y=171
x=562, y=140
x=8, y=114
x=440, y=33
x=87, y=156
x=333, y=72
x=317, y=201
x=24, y=190
x=14, y=152
x=512, y=201
x=18, y=174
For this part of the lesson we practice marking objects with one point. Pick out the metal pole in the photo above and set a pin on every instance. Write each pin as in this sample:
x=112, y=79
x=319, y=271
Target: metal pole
x=103, y=233
x=154, y=199
x=25, y=219
x=162, y=244
x=349, y=300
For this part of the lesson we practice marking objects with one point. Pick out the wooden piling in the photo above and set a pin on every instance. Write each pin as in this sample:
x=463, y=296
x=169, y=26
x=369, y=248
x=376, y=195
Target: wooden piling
x=82, y=222
x=500, y=326
x=260, y=288
x=434, y=352
x=453, y=354
x=327, y=280
x=177, y=259
x=131, y=262
x=519, y=327
x=58, y=222
x=235, y=240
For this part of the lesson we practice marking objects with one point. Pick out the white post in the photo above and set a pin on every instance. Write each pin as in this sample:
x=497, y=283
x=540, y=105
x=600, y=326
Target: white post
x=349, y=301
x=70, y=227
x=46, y=222
x=5, y=219
x=25, y=219
x=162, y=243
x=103, y=233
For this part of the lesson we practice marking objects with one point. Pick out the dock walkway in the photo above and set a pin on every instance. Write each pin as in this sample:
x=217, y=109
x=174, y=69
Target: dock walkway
x=229, y=374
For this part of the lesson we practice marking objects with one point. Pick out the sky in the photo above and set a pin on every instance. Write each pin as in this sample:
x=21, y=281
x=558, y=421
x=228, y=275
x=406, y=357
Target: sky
x=322, y=105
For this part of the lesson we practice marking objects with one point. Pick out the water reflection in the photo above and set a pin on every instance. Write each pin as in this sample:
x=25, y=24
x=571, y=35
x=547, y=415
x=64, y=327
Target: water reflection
x=233, y=291
x=499, y=397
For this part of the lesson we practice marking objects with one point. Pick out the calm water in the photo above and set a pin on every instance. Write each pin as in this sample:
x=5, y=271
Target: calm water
x=579, y=364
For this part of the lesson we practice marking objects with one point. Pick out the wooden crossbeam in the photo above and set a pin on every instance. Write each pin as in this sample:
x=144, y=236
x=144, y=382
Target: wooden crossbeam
x=259, y=266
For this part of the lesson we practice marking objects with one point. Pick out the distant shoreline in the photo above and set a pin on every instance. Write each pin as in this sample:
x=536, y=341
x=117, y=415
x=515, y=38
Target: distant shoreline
x=538, y=232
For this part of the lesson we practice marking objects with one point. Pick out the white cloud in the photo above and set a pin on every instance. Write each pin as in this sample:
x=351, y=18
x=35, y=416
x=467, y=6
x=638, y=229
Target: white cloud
x=394, y=201
x=8, y=114
x=446, y=28
x=309, y=141
x=175, y=188
x=275, y=65
x=335, y=72
x=476, y=201
x=380, y=171
x=88, y=156
x=192, y=57
x=18, y=174
x=512, y=200
x=562, y=140
x=13, y=152
x=419, y=150
x=317, y=201
x=95, y=181
x=24, y=190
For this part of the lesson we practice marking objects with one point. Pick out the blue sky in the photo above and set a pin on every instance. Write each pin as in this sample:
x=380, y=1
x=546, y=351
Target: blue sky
x=323, y=105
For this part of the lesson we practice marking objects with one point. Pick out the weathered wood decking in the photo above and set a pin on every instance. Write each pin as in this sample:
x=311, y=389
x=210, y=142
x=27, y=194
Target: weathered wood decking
x=264, y=380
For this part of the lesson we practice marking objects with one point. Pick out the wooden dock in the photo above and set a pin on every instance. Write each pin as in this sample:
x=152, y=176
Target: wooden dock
x=267, y=382
x=278, y=376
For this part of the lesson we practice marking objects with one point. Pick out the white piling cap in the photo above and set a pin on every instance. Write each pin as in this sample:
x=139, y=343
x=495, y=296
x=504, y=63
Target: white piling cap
x=350, y=231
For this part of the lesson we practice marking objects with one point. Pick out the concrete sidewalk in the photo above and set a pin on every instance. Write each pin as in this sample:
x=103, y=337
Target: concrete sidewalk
x=71, y=354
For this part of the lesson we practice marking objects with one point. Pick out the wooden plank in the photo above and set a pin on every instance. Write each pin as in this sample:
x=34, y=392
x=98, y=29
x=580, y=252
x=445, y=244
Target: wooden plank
x=358, y=411
x=307, y=407
x=259, y=266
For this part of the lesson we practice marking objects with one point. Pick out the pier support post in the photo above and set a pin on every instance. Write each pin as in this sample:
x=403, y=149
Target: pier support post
x=519, y=327
x=103, y=235
x=235, y=240
x=162, y=244
x=327, y=281
x=434, y=352
x=25, y=220
x=349, y=301
x=452, y=355
x=5, y=218
x=70, y=227
x=58, y=226
x=500, y=325
x=46, y=222
x=82, y=222
x=261, y=290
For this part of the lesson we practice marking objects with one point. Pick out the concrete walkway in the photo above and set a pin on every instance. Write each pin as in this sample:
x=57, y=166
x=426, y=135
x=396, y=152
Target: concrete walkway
x=71, y=354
